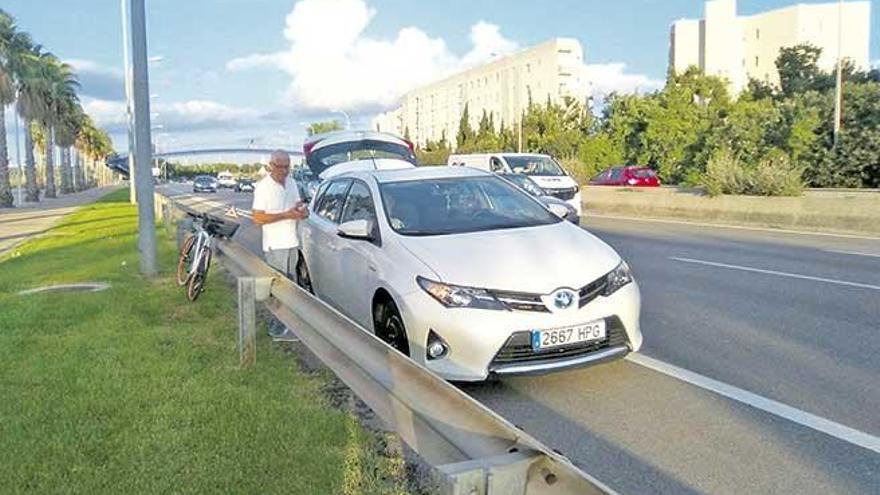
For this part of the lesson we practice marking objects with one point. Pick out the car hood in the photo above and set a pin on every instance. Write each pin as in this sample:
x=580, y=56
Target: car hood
x=533, y=259
x=367, y=164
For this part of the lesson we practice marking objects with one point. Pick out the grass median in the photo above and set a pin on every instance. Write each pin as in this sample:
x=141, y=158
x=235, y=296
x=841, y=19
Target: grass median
x=135, y=390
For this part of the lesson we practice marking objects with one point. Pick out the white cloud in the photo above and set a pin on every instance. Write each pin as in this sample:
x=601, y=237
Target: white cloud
x=340, y=67
x=98, y=81
x=613, y=78
x=174, y=116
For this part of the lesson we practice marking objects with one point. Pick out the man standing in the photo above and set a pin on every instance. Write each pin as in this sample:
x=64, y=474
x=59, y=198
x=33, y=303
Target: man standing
x=277, y=207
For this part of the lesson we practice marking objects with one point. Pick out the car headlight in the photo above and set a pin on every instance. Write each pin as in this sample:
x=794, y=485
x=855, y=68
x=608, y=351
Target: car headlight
x=454, y=296
x=617, y=278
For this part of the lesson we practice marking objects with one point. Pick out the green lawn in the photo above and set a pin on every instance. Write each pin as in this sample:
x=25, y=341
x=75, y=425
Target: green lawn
x=135, y=390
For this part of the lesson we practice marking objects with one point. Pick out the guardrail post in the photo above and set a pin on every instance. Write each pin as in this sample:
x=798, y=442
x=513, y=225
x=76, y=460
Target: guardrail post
x=247, y=320
x=250, y=291
x=506, y=474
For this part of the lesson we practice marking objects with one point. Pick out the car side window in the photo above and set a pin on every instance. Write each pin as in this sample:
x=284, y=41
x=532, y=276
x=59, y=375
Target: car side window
x=616, y=173
x=495, y=165
x=330, y=203
x=359, y=204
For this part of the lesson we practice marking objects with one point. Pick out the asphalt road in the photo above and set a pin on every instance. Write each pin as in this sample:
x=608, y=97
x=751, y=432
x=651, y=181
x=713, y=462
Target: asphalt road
x=786, y=326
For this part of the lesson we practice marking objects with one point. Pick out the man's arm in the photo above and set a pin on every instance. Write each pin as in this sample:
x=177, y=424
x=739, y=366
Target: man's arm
x=298, y=212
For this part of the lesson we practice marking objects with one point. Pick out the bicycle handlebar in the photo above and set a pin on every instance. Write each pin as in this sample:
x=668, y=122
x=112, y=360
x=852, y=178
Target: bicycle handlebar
x=214, y=226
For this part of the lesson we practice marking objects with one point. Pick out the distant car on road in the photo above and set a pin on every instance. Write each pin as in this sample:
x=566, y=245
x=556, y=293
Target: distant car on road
x=631, y=176
x=226, y=179
x=245, y=184
x=529, y=186
x=463, y=271
x=204, y=183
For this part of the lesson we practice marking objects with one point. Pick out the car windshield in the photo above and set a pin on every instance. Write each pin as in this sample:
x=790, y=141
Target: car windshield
x=334, y=154
x=533, y=165
x=204, y=179
x=523, y=181
x=459, y=205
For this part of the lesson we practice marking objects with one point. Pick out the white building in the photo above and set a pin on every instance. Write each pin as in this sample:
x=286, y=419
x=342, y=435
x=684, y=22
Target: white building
x=502, y=88
x=743, y=47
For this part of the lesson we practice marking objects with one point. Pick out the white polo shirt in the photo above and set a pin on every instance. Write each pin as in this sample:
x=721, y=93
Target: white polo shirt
x=272, y=197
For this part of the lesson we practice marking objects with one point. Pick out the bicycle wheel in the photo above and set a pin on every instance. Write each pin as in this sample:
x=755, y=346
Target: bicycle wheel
x=197, y=282
x=183, y=262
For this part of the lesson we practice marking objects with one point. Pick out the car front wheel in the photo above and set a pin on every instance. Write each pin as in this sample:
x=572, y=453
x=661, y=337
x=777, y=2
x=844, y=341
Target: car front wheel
x=389, y=326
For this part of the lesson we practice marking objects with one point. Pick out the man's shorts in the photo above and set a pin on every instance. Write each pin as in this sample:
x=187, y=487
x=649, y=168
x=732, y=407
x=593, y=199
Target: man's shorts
x=283, y=260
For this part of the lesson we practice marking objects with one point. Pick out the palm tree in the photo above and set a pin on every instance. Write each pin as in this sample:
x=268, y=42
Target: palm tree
x=68, y=121
x=11, y=43
x=32, y=105
x=59, y=89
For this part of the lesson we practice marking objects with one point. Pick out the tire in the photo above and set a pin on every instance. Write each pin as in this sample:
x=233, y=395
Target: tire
x=303, y=277
x=389, y=326
x=196, y=284
x=184, y=260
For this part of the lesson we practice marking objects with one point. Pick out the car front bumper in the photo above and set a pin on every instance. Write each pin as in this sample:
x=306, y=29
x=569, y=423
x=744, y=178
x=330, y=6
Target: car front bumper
x=476, y=337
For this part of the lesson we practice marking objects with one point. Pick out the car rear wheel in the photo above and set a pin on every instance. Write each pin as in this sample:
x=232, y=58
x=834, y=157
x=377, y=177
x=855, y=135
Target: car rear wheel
x=389, y=326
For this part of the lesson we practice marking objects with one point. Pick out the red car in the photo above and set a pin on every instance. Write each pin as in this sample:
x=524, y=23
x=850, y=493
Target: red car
x=627, y=176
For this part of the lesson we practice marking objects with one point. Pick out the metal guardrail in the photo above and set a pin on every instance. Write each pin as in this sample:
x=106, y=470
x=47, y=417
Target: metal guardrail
x=474, y=451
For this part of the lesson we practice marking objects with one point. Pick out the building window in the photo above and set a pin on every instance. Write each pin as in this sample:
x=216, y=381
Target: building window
x=757, y=34
x=756, y=61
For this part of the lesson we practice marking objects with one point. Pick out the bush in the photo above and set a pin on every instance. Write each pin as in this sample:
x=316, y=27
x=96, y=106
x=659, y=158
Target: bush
x=725, y=174
x=774, y=175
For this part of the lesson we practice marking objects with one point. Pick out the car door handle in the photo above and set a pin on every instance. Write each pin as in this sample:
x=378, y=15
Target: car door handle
x=372, y=268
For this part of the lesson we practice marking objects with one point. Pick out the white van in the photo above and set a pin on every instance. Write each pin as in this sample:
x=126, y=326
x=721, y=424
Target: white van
x=226, y=179
x=542, y=169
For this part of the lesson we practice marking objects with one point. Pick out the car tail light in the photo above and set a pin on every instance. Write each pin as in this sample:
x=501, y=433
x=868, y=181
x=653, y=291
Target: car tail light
x=307, y=147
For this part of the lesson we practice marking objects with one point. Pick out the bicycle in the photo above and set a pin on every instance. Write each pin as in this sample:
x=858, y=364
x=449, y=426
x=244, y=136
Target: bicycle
x=196, y=252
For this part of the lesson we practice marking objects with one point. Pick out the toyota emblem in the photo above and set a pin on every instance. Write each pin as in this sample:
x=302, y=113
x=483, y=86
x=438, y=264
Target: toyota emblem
x=563, y=299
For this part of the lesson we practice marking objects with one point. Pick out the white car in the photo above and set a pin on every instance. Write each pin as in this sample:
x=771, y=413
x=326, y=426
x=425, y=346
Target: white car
x=226, y=179
x=464, y=272
x=543, y=169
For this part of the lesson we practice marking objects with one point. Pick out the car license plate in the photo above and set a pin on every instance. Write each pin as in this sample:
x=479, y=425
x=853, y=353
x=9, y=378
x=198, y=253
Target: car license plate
x=545, y=339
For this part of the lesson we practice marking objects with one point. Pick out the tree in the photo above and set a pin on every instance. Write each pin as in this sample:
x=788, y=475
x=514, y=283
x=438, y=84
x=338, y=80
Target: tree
x=798, y=69
x=7, y=96
x=62, y=99
x=32, y=105
x=67, y=128
x=316, y=128
x=465, y=137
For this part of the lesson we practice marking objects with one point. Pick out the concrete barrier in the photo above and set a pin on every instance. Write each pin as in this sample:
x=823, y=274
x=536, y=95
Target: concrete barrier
x=823, y=210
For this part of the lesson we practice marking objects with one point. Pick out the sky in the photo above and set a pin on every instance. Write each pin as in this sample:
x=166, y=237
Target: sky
x=230, y=72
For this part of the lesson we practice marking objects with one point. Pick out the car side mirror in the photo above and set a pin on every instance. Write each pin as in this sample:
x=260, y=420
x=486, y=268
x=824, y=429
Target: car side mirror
x=558, y=210
x=356, y=229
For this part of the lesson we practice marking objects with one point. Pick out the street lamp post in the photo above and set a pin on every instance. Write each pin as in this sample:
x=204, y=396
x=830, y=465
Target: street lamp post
x=838, y=89
x=143, y=177
x=347, y=118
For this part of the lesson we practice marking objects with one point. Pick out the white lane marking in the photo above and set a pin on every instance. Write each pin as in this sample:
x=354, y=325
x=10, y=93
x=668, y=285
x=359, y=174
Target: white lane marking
x=780, y=274
x=587, y=215
x=854, y=253
x=803, y=418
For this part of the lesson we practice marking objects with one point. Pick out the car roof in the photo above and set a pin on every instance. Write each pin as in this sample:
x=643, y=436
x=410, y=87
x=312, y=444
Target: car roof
x=416, y=173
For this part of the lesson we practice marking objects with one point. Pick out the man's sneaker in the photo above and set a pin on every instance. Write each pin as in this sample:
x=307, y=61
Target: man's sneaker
x=275, y=328
x=286, y=336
